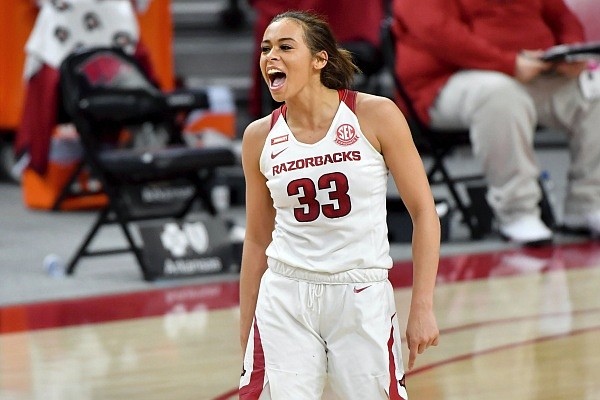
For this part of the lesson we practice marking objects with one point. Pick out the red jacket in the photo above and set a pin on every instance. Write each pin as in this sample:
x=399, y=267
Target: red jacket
x=437, y=38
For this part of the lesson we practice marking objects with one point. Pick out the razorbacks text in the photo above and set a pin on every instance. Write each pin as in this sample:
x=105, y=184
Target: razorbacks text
x=316, y=161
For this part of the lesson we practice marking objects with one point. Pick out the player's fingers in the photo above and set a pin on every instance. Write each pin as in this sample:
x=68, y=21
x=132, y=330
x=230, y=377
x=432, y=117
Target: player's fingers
x=412, y=357
x=431, y=341
x=435, y=341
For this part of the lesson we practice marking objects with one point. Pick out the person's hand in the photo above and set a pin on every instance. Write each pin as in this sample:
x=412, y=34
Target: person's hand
x=528, y=65
x=421, y=332
x=571, y=69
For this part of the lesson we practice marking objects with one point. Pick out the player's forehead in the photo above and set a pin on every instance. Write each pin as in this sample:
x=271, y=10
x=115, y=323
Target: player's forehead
x=284, y=29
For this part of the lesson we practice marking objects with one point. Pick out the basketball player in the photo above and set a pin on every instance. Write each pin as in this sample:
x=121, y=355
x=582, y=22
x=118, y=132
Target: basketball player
x=317, y=308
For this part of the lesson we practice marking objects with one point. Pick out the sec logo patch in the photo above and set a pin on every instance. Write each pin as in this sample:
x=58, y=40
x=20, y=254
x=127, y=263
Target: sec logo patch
x=346, y=135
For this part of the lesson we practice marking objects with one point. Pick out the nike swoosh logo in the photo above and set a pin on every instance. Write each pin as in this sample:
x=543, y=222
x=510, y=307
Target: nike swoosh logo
x=273, y=155
x=361, y=289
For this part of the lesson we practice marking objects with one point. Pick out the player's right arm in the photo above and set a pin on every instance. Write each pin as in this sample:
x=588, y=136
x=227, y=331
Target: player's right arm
x=260, y=221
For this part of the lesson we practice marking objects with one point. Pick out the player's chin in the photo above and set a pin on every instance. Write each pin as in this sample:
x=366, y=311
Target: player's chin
x=277, y=95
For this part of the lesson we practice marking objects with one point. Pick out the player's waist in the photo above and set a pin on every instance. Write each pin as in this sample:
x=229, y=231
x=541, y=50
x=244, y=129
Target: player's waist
x=357, y=275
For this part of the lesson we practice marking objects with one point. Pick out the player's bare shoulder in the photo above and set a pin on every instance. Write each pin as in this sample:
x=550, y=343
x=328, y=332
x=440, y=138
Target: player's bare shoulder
x=373, y=106
x=258, y=129
x=373, y=113
x=256, y=133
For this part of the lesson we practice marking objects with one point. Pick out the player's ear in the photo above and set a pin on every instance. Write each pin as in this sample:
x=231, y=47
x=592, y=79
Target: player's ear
x=320, y=59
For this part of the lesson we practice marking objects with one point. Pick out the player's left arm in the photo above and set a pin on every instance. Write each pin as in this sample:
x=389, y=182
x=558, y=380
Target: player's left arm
x=386, y=128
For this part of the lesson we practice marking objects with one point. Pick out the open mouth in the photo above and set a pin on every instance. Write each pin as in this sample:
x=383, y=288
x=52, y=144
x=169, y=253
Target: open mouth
x=276, y=78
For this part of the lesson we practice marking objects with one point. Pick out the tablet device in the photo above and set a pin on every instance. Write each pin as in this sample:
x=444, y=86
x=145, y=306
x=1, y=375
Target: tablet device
x=573, y=52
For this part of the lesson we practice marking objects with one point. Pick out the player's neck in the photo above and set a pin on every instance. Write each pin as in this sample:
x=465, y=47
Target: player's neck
x=313, y=110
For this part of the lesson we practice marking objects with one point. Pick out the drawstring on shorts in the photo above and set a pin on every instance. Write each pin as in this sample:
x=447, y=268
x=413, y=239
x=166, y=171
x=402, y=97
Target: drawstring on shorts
x=315, y=291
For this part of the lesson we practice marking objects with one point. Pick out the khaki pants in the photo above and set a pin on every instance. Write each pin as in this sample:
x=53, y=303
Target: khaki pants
x=502, y=115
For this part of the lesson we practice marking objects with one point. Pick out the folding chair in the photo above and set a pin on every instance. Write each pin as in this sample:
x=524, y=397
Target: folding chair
x=108, y=97
x=436, y=142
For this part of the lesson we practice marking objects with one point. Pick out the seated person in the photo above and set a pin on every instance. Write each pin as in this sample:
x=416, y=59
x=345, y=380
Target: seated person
x=476, y=65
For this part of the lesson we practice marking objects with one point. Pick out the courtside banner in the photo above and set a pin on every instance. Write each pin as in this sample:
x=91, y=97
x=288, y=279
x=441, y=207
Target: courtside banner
x=199, y=245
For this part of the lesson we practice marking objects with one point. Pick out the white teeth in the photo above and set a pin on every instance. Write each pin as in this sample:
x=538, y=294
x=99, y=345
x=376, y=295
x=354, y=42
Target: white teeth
x=273, y=71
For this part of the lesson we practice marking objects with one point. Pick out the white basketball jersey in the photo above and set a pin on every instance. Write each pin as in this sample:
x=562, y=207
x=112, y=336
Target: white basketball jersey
x=329, y=197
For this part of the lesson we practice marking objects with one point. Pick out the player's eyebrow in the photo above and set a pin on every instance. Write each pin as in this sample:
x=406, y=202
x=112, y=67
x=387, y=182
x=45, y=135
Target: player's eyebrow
x=280, y=40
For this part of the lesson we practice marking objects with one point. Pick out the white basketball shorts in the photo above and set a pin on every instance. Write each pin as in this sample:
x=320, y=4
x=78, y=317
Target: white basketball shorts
x=310, y=337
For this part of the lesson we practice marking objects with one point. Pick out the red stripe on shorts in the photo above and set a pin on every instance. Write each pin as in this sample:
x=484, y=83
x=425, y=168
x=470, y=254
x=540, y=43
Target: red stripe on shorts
x=253, y=390
x=394, y=394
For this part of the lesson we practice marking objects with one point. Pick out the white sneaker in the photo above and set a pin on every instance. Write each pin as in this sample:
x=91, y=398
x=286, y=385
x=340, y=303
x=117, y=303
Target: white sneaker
x=528, y=230
x=588, y=223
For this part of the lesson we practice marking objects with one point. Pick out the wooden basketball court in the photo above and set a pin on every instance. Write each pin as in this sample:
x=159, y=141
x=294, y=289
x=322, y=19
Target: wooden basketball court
x=517, y=324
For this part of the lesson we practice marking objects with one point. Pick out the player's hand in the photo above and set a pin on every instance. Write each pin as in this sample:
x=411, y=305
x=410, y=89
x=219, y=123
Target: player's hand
x=421, y=332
